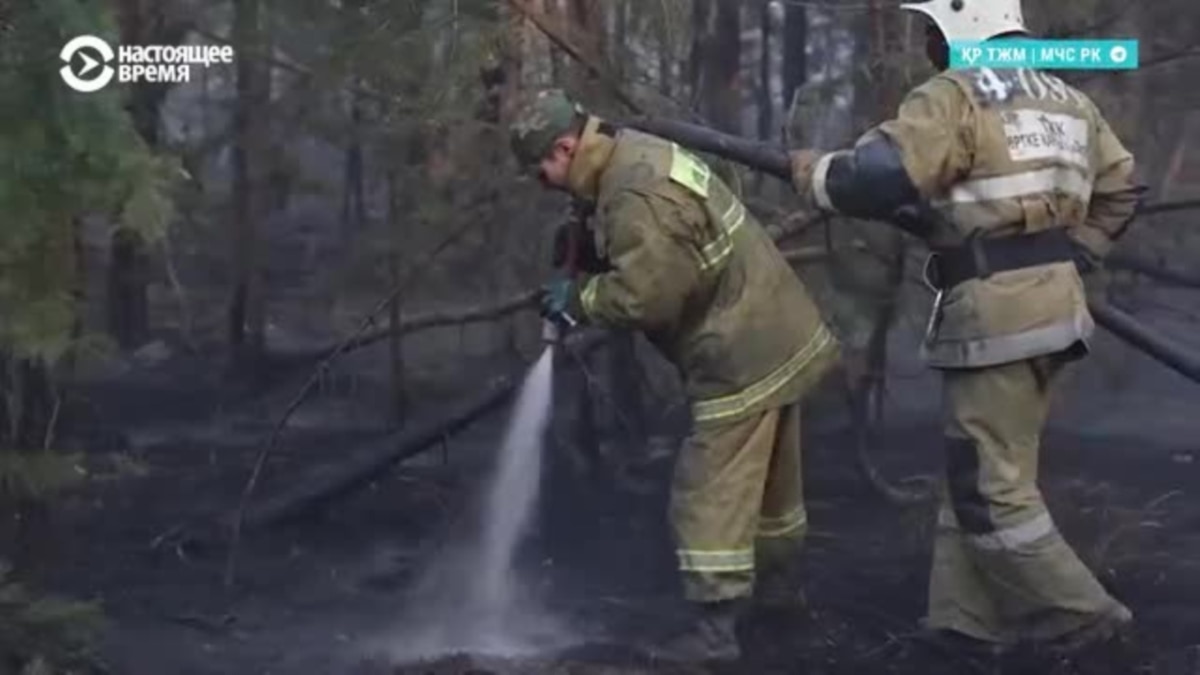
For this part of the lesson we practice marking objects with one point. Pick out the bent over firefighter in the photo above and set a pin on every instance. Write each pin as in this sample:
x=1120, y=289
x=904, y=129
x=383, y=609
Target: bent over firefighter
x=692, y=269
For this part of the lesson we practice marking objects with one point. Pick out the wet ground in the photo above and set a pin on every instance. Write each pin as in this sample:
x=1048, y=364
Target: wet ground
x=339, y=593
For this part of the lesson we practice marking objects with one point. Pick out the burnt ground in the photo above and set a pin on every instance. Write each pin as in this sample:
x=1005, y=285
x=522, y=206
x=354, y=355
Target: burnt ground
x=325, y=595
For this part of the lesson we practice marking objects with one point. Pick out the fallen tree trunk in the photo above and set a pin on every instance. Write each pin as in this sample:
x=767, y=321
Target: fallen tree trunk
x=316, y=492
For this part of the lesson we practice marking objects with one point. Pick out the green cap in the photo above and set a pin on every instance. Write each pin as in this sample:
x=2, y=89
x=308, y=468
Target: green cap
x=539, y=122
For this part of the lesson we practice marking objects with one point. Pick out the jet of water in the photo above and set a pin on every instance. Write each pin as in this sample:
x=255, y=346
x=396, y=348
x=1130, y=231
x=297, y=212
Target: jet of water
x=514, y=492
x=472, y=600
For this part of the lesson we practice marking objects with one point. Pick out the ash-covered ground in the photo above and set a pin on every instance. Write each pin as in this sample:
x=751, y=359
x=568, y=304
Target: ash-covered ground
x=347, y=592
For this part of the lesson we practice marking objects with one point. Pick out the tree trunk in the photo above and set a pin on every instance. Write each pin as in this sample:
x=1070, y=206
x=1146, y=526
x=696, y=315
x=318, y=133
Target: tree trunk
x=128, y=308
x=395, y=341
x=766, y=103
x=354, y=212
x=700, y=37
x=717, y=61
x=354, y=216
x=795, y=57
x=620, y=49
x=78, y=295
x=29, y=410
x=666, y=64
x=245, y=307
x=589, y=30
x=553, y=9
x=587, y=20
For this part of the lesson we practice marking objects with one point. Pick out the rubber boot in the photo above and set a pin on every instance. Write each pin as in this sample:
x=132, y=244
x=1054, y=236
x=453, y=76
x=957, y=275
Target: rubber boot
x=779, y=589
x=1111, y=626
x=710, y=638
x=944, y=642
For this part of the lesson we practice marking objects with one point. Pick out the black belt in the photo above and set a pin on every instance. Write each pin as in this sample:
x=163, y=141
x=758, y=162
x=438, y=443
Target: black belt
x=980, y=258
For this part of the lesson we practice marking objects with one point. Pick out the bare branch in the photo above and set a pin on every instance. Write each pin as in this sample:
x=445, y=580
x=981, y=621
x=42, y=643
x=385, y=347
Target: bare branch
x=412, y=324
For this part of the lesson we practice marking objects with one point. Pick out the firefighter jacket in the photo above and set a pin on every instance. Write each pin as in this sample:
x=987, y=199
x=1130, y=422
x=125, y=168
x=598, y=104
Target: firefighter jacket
x=694, y=271
x=982, y=156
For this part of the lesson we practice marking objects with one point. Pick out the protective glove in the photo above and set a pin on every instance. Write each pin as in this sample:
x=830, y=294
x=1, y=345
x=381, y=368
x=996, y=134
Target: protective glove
x=556, y=298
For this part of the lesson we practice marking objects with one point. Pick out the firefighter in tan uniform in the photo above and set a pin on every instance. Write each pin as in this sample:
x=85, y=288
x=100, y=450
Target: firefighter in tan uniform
x=691, y=268
x=1018, y=186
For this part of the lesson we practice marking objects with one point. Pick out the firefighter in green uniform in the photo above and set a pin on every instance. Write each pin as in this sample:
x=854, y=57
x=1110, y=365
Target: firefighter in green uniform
x=691, y=268
x=1019, y=187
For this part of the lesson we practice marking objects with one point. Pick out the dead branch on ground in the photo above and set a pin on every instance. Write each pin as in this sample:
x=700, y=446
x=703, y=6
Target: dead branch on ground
x=326, y=485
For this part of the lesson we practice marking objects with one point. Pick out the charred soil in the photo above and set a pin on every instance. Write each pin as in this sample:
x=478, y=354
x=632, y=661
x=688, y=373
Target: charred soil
x=332, y=594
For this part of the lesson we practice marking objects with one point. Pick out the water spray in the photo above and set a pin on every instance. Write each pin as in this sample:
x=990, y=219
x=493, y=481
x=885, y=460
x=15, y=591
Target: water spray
x=474, y=599
x=495, y=613
x=476, y=602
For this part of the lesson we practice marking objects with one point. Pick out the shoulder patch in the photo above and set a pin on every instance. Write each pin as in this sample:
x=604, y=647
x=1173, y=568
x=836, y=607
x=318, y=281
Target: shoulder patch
x=689, y=171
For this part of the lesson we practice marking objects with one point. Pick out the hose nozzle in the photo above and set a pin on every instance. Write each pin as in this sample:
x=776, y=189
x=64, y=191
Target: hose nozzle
x=554, y=328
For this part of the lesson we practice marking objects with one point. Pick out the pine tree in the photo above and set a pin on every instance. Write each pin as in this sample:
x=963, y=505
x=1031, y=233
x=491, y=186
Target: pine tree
x=64, y=156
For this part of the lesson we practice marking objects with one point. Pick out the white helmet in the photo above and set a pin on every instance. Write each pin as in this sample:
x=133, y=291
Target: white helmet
x=972, y=20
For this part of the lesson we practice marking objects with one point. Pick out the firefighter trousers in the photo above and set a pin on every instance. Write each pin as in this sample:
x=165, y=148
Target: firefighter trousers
x=1002, y=572
x=737, y=499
